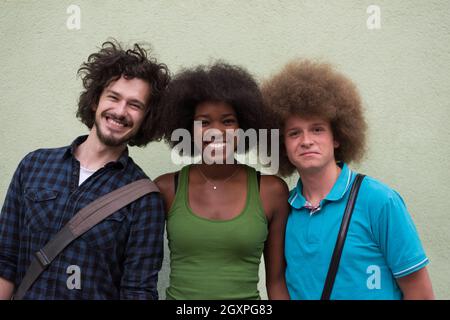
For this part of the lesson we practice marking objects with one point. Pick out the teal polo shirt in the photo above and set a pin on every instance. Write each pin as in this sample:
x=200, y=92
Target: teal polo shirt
x=382, y=242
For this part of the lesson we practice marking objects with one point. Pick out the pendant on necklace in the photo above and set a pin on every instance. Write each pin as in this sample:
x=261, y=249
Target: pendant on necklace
x=214, y=187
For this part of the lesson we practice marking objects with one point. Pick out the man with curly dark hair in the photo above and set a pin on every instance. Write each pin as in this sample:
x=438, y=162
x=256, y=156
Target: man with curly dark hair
x=120, y=257
x=222, y=215
x=323, y=129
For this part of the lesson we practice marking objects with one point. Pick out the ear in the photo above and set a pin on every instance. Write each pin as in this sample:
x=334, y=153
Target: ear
x=336, y=144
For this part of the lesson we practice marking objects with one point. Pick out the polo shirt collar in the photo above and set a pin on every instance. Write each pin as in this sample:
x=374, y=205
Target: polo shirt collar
x=340, y=187
x=342, y=184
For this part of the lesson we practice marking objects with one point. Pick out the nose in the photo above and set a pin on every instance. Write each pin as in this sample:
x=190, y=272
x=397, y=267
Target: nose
x=307, y=140
x=121, y=107
x=215, y=131
x=219, y=127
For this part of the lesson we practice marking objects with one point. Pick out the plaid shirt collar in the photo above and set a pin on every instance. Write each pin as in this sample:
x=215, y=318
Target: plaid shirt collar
x=70, y=151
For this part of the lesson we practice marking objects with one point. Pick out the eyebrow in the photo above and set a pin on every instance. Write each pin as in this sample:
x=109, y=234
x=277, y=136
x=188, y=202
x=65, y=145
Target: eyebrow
x=131, y=100
x=312, y=125
x=229, y=115
x=223, y=116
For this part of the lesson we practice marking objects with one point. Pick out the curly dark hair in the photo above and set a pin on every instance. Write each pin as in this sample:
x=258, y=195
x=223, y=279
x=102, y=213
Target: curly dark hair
x=108, y=65
x=218, y=82
x=308, y=89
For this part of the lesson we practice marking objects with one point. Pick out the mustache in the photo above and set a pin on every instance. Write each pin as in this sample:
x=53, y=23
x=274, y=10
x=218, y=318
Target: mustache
x=121, y=119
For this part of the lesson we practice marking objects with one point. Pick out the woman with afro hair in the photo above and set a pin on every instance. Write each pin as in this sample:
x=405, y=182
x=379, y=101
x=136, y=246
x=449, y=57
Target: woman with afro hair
x=320, y=116
x=222, y=215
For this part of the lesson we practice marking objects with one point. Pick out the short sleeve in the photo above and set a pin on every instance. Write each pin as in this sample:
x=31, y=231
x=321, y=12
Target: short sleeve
x=398, y=238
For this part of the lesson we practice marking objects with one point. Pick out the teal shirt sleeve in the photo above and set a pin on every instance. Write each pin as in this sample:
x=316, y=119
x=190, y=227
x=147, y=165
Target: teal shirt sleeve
x=396, y=234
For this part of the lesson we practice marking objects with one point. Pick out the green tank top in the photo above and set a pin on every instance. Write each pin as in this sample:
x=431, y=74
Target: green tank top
x=215, y=259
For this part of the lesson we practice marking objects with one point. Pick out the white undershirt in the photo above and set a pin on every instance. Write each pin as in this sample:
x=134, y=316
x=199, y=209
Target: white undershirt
x=84, y=174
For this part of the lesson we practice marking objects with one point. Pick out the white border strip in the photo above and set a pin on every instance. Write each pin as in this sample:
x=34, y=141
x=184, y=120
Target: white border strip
x=414, y=266
x=350, y=174
x=292, y=201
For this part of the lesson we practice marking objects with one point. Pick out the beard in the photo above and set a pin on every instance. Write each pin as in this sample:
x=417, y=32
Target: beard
x=110, y=140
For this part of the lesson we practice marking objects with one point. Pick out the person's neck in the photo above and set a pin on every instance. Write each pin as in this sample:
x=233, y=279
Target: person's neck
x=218, y=171
x=317, y=184
x=93, y=154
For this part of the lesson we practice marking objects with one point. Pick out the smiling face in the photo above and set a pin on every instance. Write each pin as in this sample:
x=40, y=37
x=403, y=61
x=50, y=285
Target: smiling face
x=216, y=118
x=121, y=110
x=309, y=143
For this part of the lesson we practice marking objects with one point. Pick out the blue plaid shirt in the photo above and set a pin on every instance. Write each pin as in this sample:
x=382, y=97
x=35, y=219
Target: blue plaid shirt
x=118, y=259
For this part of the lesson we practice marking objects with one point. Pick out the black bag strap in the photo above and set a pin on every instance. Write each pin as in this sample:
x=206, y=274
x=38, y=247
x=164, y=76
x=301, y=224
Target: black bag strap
x=84, y=220
x=337, y=252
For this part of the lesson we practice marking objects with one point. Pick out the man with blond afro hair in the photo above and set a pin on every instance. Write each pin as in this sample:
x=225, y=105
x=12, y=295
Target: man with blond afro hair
x=320, y=117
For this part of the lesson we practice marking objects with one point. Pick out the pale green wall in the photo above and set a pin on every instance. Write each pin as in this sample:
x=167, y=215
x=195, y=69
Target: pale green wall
x=402, y=71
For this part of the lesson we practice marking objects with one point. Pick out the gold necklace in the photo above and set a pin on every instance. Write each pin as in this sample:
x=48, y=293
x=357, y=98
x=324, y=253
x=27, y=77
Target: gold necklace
x=211, y=183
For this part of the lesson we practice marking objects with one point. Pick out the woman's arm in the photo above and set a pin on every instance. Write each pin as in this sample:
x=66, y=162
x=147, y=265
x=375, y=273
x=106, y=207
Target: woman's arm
x=166, y=186
x=274, y=195
x=6, y=289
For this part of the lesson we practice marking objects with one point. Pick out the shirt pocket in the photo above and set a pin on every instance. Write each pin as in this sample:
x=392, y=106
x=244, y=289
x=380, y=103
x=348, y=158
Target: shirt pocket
x=107, y=233
x=40, y=209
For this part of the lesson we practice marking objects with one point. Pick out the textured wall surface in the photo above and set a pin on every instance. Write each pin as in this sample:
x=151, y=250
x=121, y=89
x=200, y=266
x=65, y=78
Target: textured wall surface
x=402, y=70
